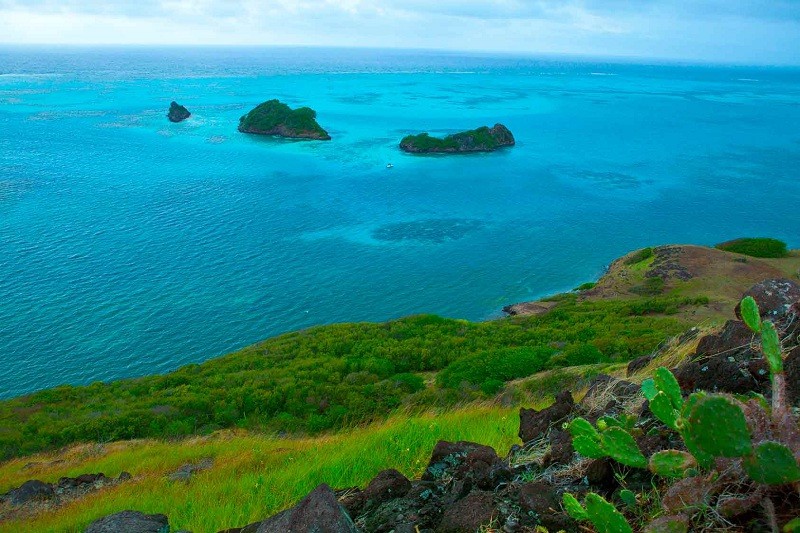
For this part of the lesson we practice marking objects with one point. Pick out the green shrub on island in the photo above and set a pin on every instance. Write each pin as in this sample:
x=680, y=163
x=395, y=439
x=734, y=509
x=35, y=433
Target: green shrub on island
x=756, y=247
x=639, y=256
x=276, y=118
x=483, y=139
x=336, y=376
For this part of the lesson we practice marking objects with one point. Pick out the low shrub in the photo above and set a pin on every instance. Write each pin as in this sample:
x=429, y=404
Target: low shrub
x=756, y=247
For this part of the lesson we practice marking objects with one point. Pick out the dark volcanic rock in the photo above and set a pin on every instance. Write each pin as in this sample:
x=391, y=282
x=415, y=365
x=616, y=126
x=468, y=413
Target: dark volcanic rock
x=319, y=512
x=177, y=113
x=449, y=455
x=483, y=139
x=734, y=339
x=30, y=491
x=534, y=424
x=541, y=500
x=468, y=514
x=792, y=368
x=130, y=522
x=468, y=464
x=774, y=297
x=385, y=486
x=185, y=472
x=722, y=362
x=561, y=450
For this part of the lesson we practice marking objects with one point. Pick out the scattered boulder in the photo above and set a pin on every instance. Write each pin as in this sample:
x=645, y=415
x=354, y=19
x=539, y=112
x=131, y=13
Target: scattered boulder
x=177, y=113
x=468, y=514
x=185, y=472
x=385, y=486
x=774, y=297
x=130, y=522
x=30, y=491
x=534, y=424
x=561, y=449
x=319, y=512
x=542, y=500
x=447, y=455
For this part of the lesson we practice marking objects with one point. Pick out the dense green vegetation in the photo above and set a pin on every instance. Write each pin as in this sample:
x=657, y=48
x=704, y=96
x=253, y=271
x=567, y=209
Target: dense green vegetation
x=639, y=256
x=276, y=118
x=339, y=375
x=756, y=247
x=483, y=139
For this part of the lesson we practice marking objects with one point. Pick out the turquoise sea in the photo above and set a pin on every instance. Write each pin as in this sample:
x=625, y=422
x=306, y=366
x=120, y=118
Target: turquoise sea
x=131, y=246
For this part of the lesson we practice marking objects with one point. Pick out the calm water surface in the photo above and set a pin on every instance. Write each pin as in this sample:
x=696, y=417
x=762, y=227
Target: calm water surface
x=131, y=246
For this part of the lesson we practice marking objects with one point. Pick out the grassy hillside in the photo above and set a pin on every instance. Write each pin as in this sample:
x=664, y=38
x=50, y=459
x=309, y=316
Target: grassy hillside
x=336, y=376
x=252, y=476
x=379, y=385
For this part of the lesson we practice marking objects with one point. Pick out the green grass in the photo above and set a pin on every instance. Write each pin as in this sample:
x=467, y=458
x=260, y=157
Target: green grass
x=756, y=247
x=253, y=476
x=336, y=376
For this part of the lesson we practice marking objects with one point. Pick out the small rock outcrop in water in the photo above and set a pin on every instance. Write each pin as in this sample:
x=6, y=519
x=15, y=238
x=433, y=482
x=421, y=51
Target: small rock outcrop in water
x=483, y=139
x=276, y=118
x=177, y=113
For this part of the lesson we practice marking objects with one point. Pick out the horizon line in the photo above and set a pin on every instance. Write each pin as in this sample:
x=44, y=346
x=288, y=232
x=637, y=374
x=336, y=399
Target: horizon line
x=630, y=58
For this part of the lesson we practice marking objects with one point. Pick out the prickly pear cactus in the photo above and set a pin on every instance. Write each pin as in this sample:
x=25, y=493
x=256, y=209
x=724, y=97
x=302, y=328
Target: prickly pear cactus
x=717, y=426
x=602, y=514
x=772, y=463
x=672, y=463
x=612, y=441
x=751, y=314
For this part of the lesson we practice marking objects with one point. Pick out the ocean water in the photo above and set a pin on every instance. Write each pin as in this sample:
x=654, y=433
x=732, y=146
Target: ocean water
x=131, y=246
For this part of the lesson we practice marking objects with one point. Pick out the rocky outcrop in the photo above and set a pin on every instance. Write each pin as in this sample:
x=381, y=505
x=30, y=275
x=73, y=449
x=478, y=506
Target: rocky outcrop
x=130, y=522
x=774, y=297
x=319, y=512
x=276, y=118
x=30, y=491
x=534, y=424
x=35, y=494
x=483, y=139
x=185, y=472
x=177, y=113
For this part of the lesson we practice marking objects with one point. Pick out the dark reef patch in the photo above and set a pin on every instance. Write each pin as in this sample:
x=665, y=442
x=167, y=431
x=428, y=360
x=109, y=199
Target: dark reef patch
x=436, y=230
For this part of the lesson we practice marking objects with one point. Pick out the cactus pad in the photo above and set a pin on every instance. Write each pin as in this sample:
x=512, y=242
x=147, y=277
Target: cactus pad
x=604, y=516
x=772, y=463
x=665, y=382
x=621, y=447
x=662, y=408
x=672, y=463
x=716, y=425
x=750, y=314
x=771, y=345
x=573, y=507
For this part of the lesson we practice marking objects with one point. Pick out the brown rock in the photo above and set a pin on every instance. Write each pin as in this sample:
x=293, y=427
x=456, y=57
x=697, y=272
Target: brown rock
x=385, y=486
x=534, y=424
x=468, y=514
x=774, y=297
x=319, y=512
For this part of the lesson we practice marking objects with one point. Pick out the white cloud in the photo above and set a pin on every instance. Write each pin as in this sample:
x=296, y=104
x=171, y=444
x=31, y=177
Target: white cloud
x=744, y=30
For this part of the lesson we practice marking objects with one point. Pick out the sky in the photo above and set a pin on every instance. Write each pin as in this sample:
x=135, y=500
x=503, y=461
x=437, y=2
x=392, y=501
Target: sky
x=720, y=31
